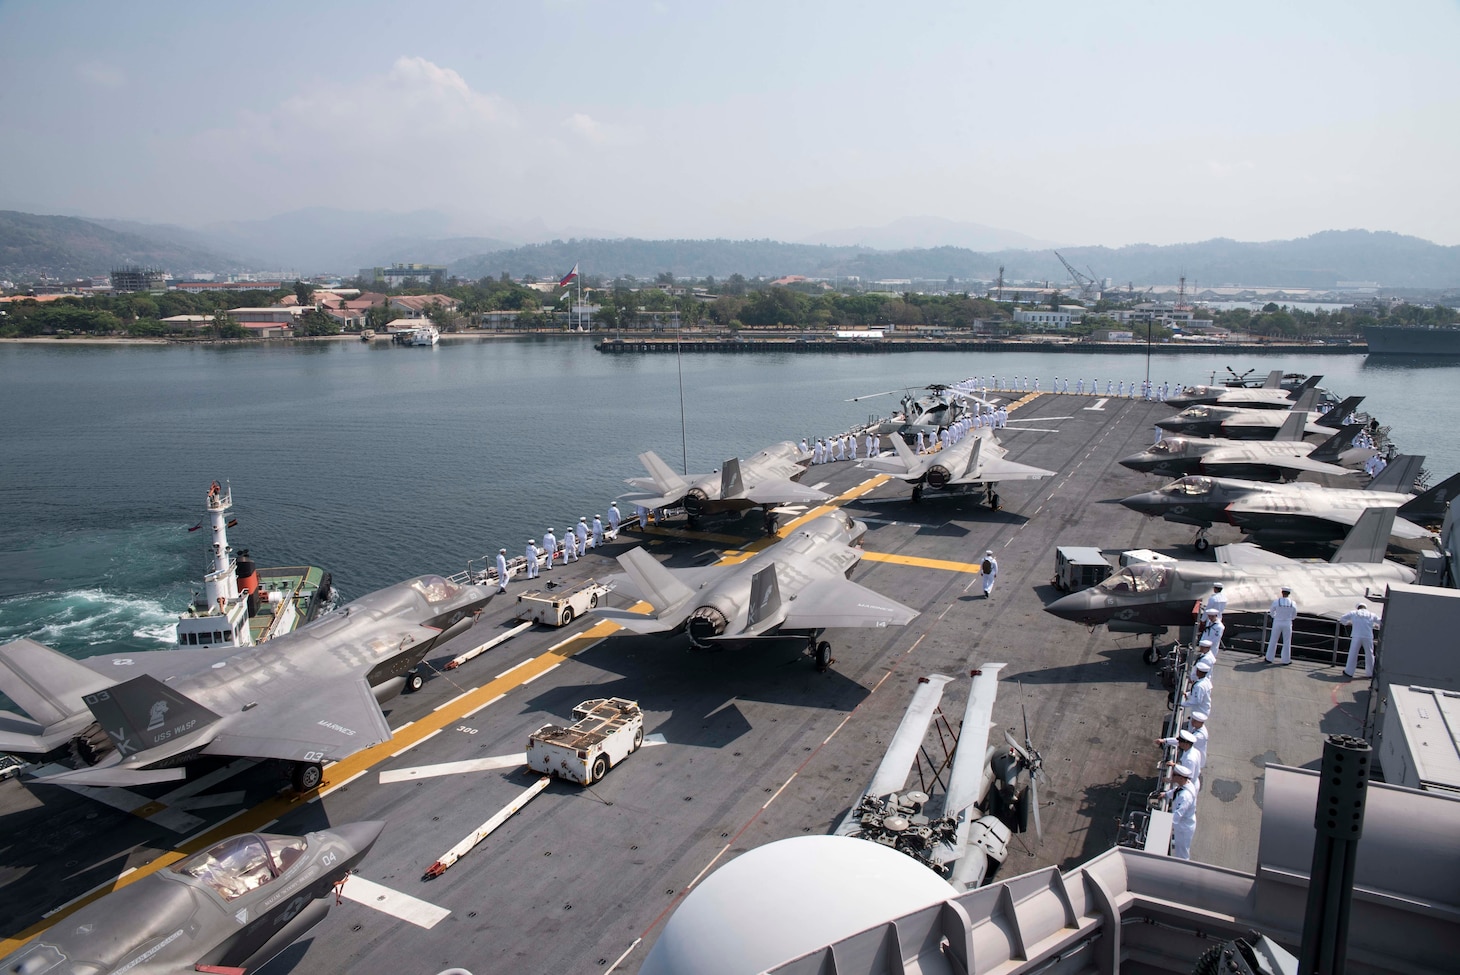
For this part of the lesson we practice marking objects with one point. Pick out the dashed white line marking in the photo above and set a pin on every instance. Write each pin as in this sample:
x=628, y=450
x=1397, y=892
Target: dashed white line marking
x=453, y=768
x=415, y=743
x=485, y=705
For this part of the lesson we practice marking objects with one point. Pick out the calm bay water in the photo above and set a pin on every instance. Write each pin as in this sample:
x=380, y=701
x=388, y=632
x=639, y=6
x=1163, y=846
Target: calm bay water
x=380, y=463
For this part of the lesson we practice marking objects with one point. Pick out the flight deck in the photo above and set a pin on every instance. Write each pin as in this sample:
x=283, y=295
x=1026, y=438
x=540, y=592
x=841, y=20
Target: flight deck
x=742, y=746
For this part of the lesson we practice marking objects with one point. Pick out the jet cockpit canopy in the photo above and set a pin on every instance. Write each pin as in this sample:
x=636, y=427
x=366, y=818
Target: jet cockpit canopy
x=1139, y=578
x=1189, y=487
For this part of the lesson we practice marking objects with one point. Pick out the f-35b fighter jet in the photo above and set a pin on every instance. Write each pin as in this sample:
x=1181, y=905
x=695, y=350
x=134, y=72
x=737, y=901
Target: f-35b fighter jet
x=762, y=481
x=307, y=697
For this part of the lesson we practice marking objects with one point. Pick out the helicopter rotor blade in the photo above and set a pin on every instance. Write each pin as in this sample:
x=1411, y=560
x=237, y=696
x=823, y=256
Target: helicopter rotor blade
x=885, y=392
x=1018, y=748
x=1034, y=805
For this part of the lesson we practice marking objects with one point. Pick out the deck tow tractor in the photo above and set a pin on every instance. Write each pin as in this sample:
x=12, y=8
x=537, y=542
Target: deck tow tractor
x=604, y=732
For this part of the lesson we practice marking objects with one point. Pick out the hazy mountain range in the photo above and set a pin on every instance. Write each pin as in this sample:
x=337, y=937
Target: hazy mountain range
x=324, y=240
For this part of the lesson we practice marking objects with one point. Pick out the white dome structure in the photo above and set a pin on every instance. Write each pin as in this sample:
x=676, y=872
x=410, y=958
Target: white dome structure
x=786, y=898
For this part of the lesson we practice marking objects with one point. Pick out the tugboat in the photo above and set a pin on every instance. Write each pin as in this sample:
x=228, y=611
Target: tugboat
x=242, y=604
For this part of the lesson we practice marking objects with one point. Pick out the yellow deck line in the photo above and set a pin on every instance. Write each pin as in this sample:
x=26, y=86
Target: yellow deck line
x=760, y=545
x=340, y=772
x=921, y=563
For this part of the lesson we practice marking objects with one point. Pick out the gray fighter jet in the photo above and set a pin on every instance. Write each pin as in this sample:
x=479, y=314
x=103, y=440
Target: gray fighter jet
x=977, y=461
x=230, y=908
x=1271, y=395
x=308, y=697
x=1259, y=460
x=1240, y=423
x=1300, y=511
x=790, y=592
x=762, y=481
x=1163, y=594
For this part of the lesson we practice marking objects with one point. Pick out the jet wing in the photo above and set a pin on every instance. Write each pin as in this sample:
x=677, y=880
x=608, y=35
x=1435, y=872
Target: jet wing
x=1241, y=555
x=837, y=601
x=1403, y=527
x=780, y=490
x=998, y=469
x=321, y=723
x=1216, y=459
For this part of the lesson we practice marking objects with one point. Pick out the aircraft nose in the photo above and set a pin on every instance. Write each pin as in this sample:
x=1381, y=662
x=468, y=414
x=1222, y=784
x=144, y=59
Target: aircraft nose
x=1138, y=462
x=1175, y=424
x=1147, y=502
x=360, y=836
x=1077, y=607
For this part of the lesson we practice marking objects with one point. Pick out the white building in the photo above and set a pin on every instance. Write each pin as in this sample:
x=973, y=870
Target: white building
x=1042, y=319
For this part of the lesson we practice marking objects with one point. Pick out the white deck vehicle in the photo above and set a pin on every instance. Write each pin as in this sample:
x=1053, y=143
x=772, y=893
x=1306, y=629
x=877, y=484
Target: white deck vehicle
x=559, y=608
x=604, y=732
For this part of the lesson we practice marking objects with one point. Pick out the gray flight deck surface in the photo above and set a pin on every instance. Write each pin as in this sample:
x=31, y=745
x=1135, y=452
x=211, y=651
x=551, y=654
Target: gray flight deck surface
x=758, y=745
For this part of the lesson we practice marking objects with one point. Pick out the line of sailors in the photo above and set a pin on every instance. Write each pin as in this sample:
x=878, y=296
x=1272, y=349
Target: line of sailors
x=1191, y=741
x=575, y=543
x=826, y=450
x=1145, y=389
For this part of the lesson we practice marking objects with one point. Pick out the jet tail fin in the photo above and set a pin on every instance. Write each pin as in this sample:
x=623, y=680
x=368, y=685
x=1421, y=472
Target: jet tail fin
x=1292, y=428
x=1305, y=401
x=1399, y=475
x=973, y=458
x=664, y=477
x=731, y=484
x=1430, y=506
x=47, y=685
x=1310, y=383
x=765, y=597
x=656, y=582
x=1368, y=539
x=1333, y=419
x=144, y=713
x=904, y=452
x=1329, y=450
x=1274, y=380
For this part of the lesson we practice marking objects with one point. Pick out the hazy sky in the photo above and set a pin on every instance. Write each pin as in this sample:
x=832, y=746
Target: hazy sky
x=1079, y=122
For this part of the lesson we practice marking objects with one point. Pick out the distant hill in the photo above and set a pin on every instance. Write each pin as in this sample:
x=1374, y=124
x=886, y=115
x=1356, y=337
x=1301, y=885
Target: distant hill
x=923, y=232
x=69, y=247
x=1319, y=261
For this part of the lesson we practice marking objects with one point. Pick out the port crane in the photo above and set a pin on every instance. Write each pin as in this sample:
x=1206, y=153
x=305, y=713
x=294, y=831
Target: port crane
x=1089, y=287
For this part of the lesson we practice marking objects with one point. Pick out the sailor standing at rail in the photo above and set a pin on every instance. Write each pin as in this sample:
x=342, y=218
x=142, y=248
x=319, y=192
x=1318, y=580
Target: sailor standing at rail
x=570, y=550
x=643, y=516
x=581, y=532
x=1186, y=754
x=988, y=569
x=1183, y=813
x=614, y=518
x=502, y=570
x=597, y=531
x=1364, y=623
x=531, y=559
x=805, y=447
x=1212, y=629
x=1217, y=600
x=1197, y=721
x=1207, y=655
x=1283, y=611
x=1199, y=698
x=550, y=546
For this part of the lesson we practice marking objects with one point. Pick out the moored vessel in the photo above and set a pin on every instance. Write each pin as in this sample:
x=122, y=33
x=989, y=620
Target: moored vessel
x=1411, y=340
x=242, y=604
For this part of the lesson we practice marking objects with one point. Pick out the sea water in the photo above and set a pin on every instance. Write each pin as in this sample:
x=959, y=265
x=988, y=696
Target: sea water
x=380, y=462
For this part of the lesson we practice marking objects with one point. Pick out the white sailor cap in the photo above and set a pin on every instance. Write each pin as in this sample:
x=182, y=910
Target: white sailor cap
x=1203, y=667
x=1359, y=606
x=597, y=516
x=501, y=550
x=1199, y=716
x=1182, y=770
x=1186, y=736
x=613, y=504
x=1213, y=611
x=1205, y=643
x=532, y=541
x=583, y=518
x=1286, y=590
x=1217, y=586
x=988, y=551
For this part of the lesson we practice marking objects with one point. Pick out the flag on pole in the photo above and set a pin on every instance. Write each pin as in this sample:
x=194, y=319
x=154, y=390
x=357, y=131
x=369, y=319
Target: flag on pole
x=568, y=277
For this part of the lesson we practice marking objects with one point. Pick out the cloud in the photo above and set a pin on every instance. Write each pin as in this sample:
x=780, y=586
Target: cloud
x=596, y=133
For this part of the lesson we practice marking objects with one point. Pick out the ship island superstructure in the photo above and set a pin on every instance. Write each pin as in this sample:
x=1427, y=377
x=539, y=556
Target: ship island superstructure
x=242, y=604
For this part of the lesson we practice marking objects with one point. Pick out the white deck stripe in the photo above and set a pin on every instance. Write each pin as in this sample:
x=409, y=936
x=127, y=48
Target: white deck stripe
x=415, y=743
x=453, y=768
x=380, y=898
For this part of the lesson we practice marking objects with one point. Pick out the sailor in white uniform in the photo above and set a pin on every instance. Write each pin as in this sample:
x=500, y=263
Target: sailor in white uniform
x=989, y=571
x=1198, y=727
x=1217, y=600
x=570, y=547
x=643, y=515
x=550, y=546
x=1199, y=698
x=805, y=447
x=1183, y=814
x=581, y=531
x=614, y=518
x=531, y=559
x=502, y=570
x=1207, y=654
x=922, y=443
x=1186, y=754
x=1283, y=611
x=597, y=531
x=1211, y=629
x=872, y=450
x=1363, y=623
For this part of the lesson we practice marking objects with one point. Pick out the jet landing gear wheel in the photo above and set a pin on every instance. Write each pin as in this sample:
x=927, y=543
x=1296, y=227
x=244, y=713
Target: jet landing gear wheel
x=1151, y=656
x=305, y=776
x=1201, y=543
x=414, y=682
x=821, y=653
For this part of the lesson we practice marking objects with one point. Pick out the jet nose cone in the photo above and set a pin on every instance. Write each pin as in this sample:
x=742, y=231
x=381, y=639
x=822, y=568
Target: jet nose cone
x=1076, y=607
x=1174, y=424
x=1147, y=502
x=1137, y=462
x=360, y=836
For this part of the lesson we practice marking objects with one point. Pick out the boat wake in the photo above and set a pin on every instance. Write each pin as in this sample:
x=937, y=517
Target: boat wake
x=81, y=622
